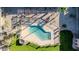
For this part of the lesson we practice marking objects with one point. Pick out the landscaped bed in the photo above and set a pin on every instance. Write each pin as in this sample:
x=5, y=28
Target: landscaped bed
x=66, y=37
x=29, y=47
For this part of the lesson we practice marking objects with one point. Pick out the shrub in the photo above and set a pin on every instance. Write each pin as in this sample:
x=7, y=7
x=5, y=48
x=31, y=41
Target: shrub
x=64, y=25
x=17, y=43
x=34, y=45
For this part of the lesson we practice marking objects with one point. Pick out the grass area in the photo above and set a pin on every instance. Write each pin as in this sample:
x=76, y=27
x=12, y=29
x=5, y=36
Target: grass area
x=29, y=47
x=66, y=40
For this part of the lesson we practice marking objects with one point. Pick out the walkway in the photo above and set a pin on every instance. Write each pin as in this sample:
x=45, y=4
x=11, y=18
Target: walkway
x=70, y=22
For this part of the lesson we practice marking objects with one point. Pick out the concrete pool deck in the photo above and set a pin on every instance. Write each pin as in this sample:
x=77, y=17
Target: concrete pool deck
x=27, y=36
x=31, y=37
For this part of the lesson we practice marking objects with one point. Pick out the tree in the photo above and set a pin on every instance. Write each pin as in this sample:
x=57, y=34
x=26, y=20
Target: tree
x=62, y=9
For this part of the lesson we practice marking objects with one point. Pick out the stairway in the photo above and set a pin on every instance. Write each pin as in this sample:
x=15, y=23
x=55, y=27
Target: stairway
x=56, y=35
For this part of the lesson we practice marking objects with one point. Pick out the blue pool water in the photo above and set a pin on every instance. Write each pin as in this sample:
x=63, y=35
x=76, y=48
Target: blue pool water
x=40, y=33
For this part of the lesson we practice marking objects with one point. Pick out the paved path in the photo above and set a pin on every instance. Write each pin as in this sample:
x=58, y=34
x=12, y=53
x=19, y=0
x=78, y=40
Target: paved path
x=70, y=22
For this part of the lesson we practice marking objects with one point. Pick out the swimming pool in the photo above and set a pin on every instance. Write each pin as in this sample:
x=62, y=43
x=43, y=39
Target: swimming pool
x=40, y=33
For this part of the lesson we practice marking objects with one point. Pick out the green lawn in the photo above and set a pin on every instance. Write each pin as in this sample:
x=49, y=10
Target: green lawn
x=15, y=47
x=66, y=40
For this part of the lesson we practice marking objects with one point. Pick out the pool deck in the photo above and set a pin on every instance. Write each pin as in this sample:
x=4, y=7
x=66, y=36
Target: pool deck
x=30, y=37
x=49, y=27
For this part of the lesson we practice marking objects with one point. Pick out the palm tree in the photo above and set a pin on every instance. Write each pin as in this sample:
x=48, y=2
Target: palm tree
x=62, y=9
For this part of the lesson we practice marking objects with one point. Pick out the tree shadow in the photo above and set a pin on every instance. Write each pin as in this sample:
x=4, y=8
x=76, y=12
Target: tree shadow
x=66, y=38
